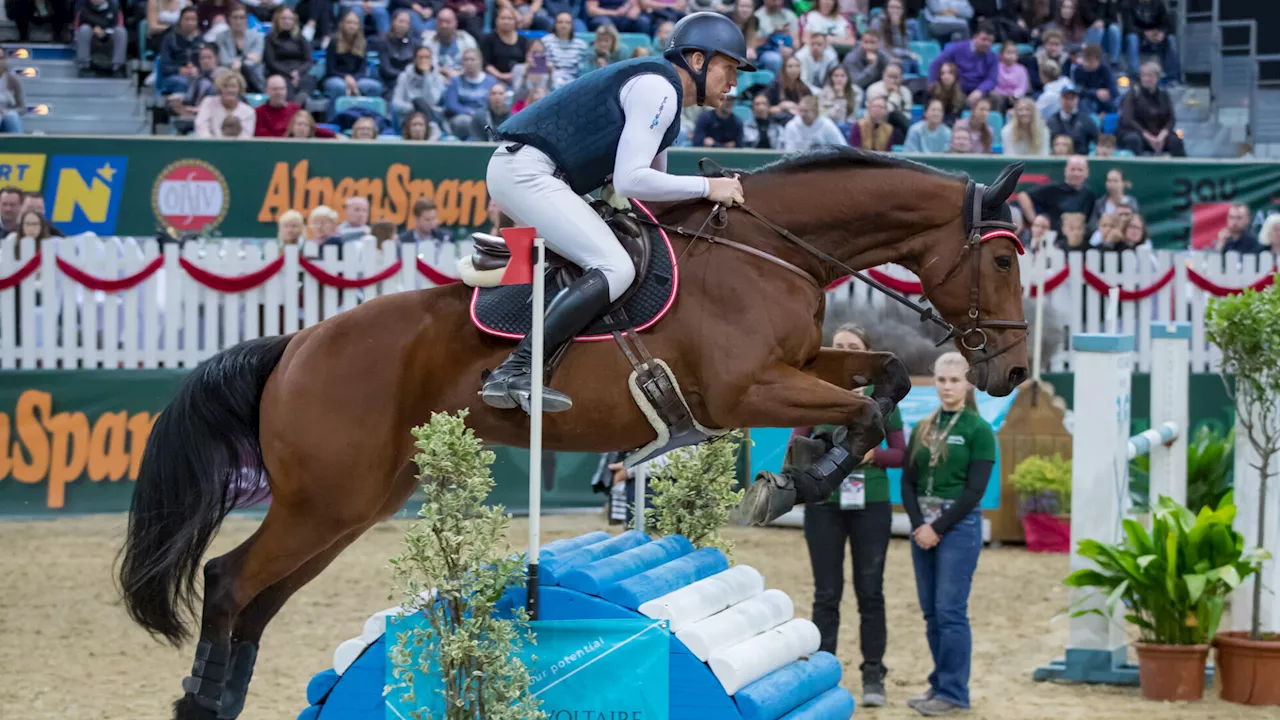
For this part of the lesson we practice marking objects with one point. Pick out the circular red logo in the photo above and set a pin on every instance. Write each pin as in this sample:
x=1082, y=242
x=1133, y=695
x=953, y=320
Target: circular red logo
x=190, y=196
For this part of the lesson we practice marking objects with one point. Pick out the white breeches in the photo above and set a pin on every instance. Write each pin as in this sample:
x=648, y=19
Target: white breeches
x=526, y=188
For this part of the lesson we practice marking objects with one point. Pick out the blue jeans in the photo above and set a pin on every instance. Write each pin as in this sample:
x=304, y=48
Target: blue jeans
x=1167, y=54
x=944, y=576
x=417, y=25
x=381, y=19
x=335, y=87
x=1109, y=39
x=11, y=122
x=174, y=85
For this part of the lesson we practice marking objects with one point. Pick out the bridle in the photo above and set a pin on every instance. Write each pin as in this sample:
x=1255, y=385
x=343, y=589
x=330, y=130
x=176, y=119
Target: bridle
x=972, y=335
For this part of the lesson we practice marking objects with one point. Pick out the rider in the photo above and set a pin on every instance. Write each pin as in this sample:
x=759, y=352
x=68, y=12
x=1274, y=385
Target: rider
x=618, y=120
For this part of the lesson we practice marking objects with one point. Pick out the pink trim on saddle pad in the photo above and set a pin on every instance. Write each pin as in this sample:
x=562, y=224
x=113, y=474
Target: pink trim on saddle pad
x=671, y=298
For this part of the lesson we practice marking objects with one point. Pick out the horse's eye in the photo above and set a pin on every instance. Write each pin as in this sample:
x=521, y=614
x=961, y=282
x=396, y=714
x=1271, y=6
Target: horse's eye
x=1004, y=262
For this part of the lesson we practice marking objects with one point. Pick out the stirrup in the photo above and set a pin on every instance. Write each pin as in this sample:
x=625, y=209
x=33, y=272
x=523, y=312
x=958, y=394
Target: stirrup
x=517, y=390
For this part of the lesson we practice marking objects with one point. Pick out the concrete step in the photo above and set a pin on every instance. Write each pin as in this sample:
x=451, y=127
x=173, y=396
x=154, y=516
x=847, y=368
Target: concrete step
x=66, y=124
x=38, y=70
x=105, y=108
x=88, y=89
x=22, y=52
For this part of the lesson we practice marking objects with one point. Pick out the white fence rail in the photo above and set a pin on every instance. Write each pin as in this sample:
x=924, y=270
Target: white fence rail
x=170, y=319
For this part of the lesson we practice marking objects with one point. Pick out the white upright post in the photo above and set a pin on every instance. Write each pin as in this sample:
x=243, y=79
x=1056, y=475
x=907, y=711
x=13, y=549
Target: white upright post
x=1037, y=345
x=535, y=426
x=1246, y=500
x=1170, y=362
x=642, y=482
x=1113, y=309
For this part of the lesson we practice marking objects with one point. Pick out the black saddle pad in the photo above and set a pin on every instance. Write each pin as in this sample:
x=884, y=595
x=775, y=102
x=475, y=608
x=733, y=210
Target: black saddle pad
x=504, y=311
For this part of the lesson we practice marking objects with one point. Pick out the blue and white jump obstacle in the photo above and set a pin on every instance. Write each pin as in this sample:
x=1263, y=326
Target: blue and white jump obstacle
x=1103, y=363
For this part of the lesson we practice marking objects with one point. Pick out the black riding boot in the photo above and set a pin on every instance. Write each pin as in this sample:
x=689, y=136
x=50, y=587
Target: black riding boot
x=511, y=383
x=809, y=477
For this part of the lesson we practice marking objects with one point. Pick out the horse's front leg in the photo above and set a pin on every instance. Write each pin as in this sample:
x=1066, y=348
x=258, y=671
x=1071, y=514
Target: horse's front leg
x=783, y=396
x=850, y=369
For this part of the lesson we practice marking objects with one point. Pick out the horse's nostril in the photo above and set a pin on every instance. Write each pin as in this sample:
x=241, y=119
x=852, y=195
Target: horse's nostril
x=1017, y=375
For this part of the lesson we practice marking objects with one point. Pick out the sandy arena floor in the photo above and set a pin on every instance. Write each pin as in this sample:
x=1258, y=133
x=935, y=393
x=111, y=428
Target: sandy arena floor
x=67, y=649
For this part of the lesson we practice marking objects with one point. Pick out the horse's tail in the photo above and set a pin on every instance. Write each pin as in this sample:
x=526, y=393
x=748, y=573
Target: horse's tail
x=202, y=460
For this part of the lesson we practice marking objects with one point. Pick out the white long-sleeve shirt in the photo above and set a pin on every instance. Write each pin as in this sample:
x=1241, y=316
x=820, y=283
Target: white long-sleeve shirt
x=798, y=136
x=650, y=106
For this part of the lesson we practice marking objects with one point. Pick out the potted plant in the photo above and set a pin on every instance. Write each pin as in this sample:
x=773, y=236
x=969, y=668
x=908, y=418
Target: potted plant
x=1246, y=328
x=1173, y=582
x=1044, y=502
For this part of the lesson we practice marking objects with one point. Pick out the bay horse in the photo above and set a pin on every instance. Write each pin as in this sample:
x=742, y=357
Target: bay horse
x=324, y=414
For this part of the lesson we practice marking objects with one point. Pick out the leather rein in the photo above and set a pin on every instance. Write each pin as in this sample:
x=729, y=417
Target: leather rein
x=972, y=336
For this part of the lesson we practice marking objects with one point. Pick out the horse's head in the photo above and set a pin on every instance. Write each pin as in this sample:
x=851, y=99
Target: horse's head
x=977, y=288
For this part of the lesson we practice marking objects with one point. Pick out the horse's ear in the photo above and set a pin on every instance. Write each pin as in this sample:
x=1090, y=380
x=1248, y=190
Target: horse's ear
x=1000, y=191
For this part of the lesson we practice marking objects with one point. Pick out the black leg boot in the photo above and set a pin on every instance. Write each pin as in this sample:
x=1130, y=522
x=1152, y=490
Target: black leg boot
x=511, y=383
x=771, y=496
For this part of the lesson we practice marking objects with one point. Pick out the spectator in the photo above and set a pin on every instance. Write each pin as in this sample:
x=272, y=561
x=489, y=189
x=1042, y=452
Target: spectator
x=179, y=54
x=553, y=9
x=1040, y=234
x=469, y=15
x=1072, y=235
x=302, y=126
x=161, y=15
x=779, y=30
x=1236, y=236
x=1095, y=81
x=1149, y=21
x=948, y=464
x=57, y=13
x=215, y=108
x=607, y=47
x=1107, y=16
x=505, y=46
x=839, y=99
x=1108, y=227
x=978, y=127
x=447, y=43
x=1050, y=100
x=948, y=20
x=1132, y=235
x=322, y=225
x=897, y=31
x=426, y=226
x=365, y=8
x=419, y=88
x=624, y=15
x=101, y=33
x=346, y=64
x=761, y=131
x=1156, y=44
x=271, y=119
x=201, y=86
x=356, y=225
x=660, y=11
x=1071, y=23
x=897, y=97
x=421, y=13
x=231, y=127
x=662, y=36
x=975, y=62
x=787, y=89
x=816, y=61
x=1012, y=81
x=1106, y=146
x=467, y=94
x=867, y=61
x=724, y=7
x=1061, y=146
x=10, y=208
x=1147, y=119
x=808, y=129
x=533, y=73
x=874, y=131
x=719, y=127
x=1269, y=236
x=534, y=95
x=212, y=14
x=290, y=228
x=566, y=54
x=496, y=111
x=364, y=128
x=396, y=49
x=825, y=19
x=1071, y=121
x=287, y=54
x=929, y=135
x=1053, y=51
x=947, y=89
x=315, y=19
x=12, y=101
x=1118, y=195
x=240, y=49
x=419, y=127
x=1025, y=133
x=1037, y=16
x=1070, y=196
x=30, y=224
x=744, y=17
x=961, y=141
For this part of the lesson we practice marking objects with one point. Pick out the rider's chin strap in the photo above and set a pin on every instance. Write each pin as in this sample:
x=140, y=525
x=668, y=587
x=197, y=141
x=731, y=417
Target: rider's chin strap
x=699, y=76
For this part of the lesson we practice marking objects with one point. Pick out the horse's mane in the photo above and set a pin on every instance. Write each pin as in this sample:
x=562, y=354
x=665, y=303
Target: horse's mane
x=832, y=157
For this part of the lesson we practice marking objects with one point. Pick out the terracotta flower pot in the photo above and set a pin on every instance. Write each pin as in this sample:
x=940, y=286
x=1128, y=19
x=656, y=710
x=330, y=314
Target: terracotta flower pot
x=1250, y=669
x=1171, y=672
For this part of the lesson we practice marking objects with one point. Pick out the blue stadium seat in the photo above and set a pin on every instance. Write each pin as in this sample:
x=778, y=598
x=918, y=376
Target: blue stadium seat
x=586, y=37
x=630, y=41
x=255, y=99
x=1110, y=122
x=742, y=111
x=995, y=121
x=927, y=50
x=759, y=77
x=376, y=104
x=898, y=148
x=917, y=113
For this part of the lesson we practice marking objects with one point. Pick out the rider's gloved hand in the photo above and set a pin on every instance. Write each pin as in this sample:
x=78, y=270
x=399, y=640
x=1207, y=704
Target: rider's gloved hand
x=727, y=191
x=617, y=200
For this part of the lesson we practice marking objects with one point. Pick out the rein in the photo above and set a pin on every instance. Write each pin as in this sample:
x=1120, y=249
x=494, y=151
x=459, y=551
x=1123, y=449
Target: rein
x=971, y=332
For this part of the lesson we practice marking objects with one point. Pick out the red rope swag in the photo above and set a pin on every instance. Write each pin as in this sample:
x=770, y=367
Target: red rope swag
x=21, y=274
x=435, y=275
x=231, y=283
x=342, y=283
x=1051, y=283
x=1101, y=286
x=97, y=284
x=1213, y=288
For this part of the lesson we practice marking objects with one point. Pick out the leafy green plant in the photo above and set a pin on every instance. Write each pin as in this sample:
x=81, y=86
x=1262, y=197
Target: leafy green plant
x=1043, y=484
x=1246, y=328
x=455, y=566
x=1172, y=581
x=694, y=493
x=1210, y=462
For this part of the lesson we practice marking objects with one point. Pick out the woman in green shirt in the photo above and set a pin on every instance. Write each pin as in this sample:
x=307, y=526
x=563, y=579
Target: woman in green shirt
x=949, y=461
x=860, y=515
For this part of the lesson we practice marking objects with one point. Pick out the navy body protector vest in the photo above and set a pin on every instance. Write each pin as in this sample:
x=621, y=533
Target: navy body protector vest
x=579, y=125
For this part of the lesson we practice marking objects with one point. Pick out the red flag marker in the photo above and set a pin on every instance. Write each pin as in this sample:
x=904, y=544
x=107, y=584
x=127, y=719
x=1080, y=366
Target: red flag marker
x=520, y=266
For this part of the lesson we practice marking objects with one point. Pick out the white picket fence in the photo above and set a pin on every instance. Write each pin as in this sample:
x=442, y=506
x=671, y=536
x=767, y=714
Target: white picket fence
x=171, y=320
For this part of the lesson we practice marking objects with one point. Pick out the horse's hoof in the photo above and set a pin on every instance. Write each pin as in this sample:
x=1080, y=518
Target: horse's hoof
x=767, y=499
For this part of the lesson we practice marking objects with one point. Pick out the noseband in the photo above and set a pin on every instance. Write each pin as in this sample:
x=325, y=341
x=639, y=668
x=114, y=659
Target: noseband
x=972, y=335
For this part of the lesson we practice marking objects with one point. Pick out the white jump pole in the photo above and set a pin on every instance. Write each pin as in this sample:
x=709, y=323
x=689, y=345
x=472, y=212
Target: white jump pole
x=535, y=426
x=1037, y=342
x=1113, y=309
x=1170, y=358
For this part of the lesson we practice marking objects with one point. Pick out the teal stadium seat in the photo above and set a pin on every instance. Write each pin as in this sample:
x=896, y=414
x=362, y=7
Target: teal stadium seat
x=927, y=50
x=630, y=41
x=373, y=103
x=742, y=111
x=255, y=99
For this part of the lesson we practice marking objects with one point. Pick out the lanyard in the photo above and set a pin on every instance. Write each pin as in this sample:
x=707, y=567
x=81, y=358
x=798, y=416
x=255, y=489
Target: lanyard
x=935, y=449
